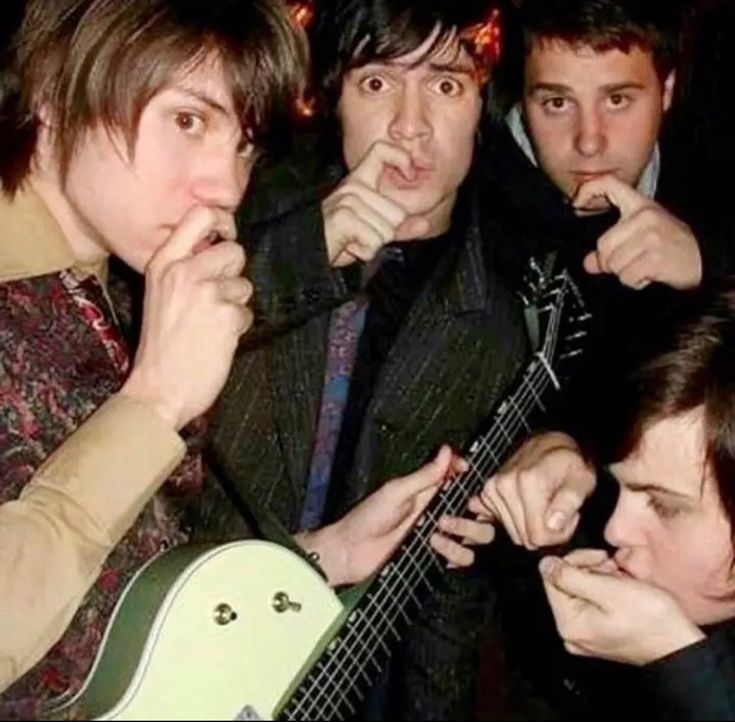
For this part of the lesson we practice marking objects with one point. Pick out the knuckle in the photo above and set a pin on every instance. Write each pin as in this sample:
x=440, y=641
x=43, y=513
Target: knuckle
x=505, y=484
x=343, y=215
x=208, y=215
x=349, y=200
x=178, y=273
x=656, y=257
x=451, y=525
x=649, y=214
x=528, y=478
x=604, y=245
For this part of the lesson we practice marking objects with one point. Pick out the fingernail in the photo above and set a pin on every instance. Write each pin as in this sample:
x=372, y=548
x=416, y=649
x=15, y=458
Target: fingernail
x=557, y=521
x=547, y=566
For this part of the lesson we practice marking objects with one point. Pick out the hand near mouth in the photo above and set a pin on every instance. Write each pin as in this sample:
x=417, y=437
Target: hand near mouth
x=602, y=612
x=358, y=219
x=648, y=244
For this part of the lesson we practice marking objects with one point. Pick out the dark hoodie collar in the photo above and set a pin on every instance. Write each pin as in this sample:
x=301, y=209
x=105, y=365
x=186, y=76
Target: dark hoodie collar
x=531, y=202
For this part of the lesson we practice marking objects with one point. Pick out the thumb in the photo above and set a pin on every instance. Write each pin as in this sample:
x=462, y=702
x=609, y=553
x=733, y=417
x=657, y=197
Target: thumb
x=564, y=507
x=592, y=264
x=413, y=227
x=430, y=475
x=198, y=224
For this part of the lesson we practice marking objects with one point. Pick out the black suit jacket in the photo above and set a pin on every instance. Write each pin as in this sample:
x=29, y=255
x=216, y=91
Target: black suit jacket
x=458, y=351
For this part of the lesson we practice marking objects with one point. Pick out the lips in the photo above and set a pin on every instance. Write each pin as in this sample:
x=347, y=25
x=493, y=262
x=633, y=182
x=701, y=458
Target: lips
x=623, y=569
x=585, y=176
x=206, y=243
x=419, y=173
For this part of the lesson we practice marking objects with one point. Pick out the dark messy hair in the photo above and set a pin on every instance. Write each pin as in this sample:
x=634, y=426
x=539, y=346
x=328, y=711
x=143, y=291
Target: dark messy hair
x=348, y=34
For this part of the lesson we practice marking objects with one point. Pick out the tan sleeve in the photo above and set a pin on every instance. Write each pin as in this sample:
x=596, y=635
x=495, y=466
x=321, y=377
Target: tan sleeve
x=56, y=536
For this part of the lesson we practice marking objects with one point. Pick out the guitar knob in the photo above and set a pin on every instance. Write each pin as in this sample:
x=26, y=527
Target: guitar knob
x=224, y=614
x=282, y=604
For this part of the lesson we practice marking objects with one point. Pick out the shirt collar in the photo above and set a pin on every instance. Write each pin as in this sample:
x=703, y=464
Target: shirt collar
x=32, y=243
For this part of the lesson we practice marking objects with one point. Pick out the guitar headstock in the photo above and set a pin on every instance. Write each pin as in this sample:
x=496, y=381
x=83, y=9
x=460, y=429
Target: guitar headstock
x=557, y=319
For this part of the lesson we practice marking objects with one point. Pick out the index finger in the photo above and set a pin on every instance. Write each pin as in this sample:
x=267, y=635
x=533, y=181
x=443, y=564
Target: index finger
x=624, y=197
x=594, y=588
x=198, y=225
x=370, y=168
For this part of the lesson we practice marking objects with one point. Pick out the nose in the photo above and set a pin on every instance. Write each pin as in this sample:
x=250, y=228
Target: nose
x=591, y=138
x=410, y=120
x=624, y=529
x=222, y=179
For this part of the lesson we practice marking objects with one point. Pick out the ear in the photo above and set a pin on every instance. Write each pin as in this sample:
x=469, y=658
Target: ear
x=669, y=89
x=44, y=111
x=46, y=123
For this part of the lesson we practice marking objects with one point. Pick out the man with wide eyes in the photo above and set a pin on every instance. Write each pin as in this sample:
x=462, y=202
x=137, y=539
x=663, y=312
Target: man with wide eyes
x=430, y=335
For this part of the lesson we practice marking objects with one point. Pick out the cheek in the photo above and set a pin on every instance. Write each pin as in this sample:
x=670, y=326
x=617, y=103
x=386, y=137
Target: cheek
x=693, y=566
x=165, y=184
x=455, y=135
x=550, y=136
x=634, y=135
x=103, y=188
x=460, y=130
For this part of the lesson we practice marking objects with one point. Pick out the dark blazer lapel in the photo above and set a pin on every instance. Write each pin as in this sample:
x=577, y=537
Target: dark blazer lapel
x=444, y=368
x=297, y=362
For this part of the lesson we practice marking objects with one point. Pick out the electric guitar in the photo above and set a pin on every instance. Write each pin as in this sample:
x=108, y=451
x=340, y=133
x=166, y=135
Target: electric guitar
x=249, y=630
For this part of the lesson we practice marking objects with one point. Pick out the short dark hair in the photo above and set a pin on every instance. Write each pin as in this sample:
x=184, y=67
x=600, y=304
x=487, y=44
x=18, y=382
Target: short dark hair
x=695, y=368
x=653, y=25
x=101, y=61
x=347, y=34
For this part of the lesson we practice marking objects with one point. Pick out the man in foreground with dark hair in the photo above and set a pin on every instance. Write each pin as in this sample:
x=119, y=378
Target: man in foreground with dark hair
x=664, y=602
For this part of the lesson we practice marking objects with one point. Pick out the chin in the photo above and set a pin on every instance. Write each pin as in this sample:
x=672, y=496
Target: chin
x=415, y=202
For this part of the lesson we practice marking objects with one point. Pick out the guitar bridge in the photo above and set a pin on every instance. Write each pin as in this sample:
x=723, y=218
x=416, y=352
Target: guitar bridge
x=248, y=713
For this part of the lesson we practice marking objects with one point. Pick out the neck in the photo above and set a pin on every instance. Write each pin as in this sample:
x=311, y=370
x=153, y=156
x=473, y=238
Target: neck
x=87, y=250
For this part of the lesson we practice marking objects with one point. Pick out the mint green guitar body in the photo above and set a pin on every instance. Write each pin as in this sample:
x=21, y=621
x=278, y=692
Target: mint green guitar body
x=211, y=633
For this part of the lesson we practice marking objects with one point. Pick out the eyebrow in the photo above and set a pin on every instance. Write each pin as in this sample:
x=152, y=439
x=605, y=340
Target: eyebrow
x=459, y=68
x=619, y=87
x=550, y=87
x=562, y=89
x=655, y=489
x=207, y=100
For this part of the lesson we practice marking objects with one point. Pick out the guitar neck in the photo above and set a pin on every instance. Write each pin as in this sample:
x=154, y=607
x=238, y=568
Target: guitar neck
x=356, y=656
